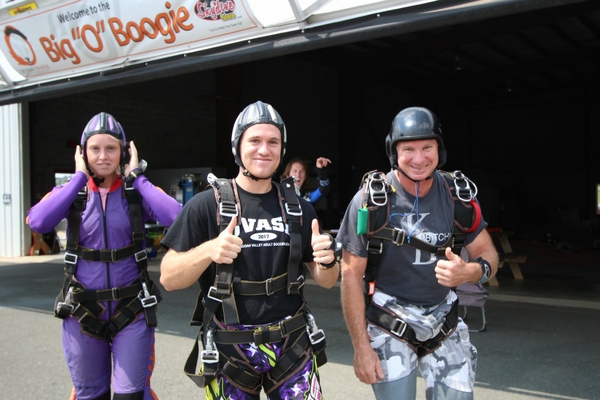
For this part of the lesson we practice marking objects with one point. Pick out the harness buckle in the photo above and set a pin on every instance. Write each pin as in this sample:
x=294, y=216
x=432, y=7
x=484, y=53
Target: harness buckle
x=293, y=209
x=113, y=255
x=399, y=327
x=315, y=335
x=228, y=209
x=260, y=336
x=282, y=328
x=398, y=236
x=66, y=308
x=374, y=250
x=445, y=332
x=464, y=191
x=115, y=293
x=377, y=189
x=269, y=287
x=293, y=286
x=141, y=255
x=145, y=297
x=71, y=258
x=209, y=355
x=210, y=295
x=301, y=281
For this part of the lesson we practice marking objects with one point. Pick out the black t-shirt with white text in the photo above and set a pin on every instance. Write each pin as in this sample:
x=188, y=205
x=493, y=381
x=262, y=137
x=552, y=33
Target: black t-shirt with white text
x=265, y=248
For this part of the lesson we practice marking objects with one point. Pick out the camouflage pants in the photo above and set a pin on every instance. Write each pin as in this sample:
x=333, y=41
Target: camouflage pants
x=449, y=371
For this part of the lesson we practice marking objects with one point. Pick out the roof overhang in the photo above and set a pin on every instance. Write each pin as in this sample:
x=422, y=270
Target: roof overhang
x=302, y=25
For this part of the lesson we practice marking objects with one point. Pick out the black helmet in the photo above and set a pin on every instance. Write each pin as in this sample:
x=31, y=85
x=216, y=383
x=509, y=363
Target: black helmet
x=256, y=113
x=414, y=123
x=104, y=123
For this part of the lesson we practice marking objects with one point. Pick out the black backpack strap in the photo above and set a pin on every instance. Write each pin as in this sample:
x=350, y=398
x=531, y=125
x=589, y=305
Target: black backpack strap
x=64, y=305
x=292, y=217
x=375, y=211
x=150, y=294
x=221, y=293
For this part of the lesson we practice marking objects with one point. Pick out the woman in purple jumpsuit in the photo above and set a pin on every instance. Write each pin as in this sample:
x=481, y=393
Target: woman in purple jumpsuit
x=128, y=353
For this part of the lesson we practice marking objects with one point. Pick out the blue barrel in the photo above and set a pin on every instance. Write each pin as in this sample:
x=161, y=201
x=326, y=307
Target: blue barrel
x=187, y=185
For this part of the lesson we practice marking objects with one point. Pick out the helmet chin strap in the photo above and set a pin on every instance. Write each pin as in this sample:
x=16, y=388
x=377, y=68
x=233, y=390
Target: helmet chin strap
x=96, y=180
x=397, y=168
x=249, y=175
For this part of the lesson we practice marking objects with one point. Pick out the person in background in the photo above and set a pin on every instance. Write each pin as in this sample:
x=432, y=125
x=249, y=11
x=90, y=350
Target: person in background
x=299, y=168
x=259, y=333
x=108, y=303
x=410, y=323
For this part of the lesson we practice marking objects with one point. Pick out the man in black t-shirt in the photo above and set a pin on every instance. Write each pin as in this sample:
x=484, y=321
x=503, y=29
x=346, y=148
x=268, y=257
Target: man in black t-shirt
x=254, y=249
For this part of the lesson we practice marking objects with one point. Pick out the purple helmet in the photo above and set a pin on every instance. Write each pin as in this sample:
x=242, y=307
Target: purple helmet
x=104, y=123
x=256, y=113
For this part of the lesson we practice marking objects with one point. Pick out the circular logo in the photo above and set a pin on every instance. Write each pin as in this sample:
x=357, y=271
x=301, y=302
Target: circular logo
x=18, y=46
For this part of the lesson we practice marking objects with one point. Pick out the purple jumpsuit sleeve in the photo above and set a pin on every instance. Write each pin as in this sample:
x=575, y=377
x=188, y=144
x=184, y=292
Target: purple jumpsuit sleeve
x=45, y=215
x=159, y=205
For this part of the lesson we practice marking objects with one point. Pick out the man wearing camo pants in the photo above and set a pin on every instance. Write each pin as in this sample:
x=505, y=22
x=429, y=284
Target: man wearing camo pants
x=412, y=326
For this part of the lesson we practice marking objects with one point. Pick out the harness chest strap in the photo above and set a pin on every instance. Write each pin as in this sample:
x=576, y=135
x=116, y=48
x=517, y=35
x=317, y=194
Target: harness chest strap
x=136, y=250
x=398, y=237
x=81, y=295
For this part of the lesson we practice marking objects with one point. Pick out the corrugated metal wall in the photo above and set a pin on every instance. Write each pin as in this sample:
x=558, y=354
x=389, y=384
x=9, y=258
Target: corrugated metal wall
x=15, y=235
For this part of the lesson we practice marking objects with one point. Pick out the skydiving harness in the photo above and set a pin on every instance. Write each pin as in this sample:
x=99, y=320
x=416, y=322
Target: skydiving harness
x=373, y=221
x=141, y=296
x=300, y=331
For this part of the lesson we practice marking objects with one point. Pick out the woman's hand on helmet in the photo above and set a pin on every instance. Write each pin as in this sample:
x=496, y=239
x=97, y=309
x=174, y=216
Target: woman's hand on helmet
x=134, y=161
x=80, y=164
x=322, y=162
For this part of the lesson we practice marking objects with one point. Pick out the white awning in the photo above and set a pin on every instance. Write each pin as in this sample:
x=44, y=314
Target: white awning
x=50, y=40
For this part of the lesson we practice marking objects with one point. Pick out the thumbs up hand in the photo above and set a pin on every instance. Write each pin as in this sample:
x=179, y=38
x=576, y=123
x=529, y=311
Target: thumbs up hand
x=226, y=246
x=322, y=245
x=451, y=272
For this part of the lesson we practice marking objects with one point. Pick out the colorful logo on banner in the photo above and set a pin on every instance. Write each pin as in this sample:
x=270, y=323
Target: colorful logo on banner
x=210, y=10
x=19, y=47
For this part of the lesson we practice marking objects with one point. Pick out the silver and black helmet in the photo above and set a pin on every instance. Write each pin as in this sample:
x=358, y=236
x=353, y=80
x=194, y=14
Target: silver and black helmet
x=256, y=113
x=414, y=123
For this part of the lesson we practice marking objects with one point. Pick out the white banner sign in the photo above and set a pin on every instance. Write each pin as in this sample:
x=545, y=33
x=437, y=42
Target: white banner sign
x=89, y=35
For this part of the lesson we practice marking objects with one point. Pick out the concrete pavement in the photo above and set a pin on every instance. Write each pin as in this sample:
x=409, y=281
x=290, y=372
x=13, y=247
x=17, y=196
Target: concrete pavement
x=535, y=347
